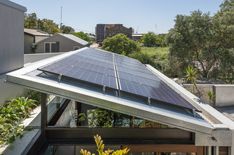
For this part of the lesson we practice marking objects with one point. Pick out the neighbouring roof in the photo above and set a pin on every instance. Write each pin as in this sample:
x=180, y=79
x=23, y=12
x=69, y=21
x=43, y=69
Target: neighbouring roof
x=36, y=32
x=137, y=35
x=75, y=38
x=87, y=76
x=13, y=5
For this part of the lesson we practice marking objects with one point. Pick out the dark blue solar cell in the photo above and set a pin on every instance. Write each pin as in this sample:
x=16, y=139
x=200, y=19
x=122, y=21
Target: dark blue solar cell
x=117, y=72
x=159, y=92
x=86, y=66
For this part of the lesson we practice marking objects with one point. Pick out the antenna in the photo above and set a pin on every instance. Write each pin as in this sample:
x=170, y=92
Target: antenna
x=61, y=17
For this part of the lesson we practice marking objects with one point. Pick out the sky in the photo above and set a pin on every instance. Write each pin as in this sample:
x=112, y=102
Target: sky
x=142, y=15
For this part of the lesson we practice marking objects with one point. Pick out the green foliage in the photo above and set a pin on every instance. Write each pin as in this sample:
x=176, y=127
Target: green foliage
x=11, y=115
x=31, y=21
x=83, y=36
x=191, y=77
x=48, y=26
x=160, y=58
x=211, y=96
x=143, y=58
x=100, y=118
x=66, y=29
x=204, y=42
x=120, y=44
x=101, y=149
x=149, y=39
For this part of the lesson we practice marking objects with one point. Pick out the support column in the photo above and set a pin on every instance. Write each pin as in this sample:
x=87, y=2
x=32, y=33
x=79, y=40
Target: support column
x=43, y=112
x=209, y=150
x=216, y=150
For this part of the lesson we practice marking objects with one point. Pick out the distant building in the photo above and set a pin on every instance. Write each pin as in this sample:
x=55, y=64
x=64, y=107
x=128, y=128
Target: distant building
x=107, y=30
x=137, y=37
x=31, y=37
x=60, y=43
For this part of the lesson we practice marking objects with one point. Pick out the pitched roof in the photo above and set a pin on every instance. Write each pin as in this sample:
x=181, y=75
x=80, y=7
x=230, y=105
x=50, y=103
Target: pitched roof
x=89, y=93
x=74, y=38
x=35, y=32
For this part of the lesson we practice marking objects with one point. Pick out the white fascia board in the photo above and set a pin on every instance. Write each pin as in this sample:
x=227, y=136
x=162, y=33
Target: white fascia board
x=194, y=100
x=117, y=104
x=112, y=103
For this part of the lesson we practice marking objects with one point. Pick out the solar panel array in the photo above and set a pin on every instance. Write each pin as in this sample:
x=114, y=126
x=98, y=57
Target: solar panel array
x=118, y=72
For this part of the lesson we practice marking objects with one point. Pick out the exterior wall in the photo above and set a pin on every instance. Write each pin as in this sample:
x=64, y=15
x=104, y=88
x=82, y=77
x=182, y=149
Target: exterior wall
x=12, y=91
x=65, y=44
x=8, y=91
x=40, y=38
x=100, y=32
x=28, y=40
x=107, y=30
x=224, y=95
x=114, y=29
x=204, y=89
x=11, y=36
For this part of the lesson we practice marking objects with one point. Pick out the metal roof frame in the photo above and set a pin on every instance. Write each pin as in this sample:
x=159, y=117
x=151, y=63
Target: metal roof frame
x=117, y=104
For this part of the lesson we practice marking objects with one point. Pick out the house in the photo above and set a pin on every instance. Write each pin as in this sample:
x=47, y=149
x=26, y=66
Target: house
x=107, y=30
x=137, y=36
x=60, y=43
x=31, y=37
x=89, y=78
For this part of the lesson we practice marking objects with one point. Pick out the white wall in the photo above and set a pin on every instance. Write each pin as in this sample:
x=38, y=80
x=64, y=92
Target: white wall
x=8, y=91
x=11, y=36
x=224, y=95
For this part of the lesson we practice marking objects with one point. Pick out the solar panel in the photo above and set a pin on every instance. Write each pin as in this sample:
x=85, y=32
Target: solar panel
x=135, y=78
x=86, y=67
x=121, y=73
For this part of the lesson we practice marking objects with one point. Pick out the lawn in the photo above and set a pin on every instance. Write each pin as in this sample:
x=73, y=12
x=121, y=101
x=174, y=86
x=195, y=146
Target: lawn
x=159, y=55
x=156, y=51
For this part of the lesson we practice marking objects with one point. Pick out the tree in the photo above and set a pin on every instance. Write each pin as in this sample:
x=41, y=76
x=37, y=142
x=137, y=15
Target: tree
x=83, y=36
x=48, y=26
x=193, y=42
x=30, y=21
x=149, y=39
x=120, y=44
x=66, y=29
x=225, y=34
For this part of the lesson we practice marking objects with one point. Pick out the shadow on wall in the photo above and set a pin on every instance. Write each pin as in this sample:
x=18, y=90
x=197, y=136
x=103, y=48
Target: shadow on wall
x=9, y=91
x=217, y=95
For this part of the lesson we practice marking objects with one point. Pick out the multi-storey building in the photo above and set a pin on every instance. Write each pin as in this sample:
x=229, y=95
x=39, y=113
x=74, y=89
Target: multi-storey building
x=107, y=30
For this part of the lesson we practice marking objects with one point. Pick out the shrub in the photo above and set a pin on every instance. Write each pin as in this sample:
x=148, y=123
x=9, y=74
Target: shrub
x=101, y=147
x=11, y=115
x=120, y=44
x=143, y=58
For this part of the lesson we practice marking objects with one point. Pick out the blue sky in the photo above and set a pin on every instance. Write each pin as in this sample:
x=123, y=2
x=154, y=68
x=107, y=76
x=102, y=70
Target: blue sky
x=143, y=15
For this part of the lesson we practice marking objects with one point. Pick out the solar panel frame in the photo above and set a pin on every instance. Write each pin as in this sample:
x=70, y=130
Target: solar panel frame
x=123, y=74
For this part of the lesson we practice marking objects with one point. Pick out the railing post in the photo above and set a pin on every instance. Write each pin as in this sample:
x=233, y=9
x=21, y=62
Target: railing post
x=43, y=112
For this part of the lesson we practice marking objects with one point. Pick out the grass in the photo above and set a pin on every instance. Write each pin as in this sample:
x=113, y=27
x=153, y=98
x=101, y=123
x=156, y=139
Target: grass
x=155, y=51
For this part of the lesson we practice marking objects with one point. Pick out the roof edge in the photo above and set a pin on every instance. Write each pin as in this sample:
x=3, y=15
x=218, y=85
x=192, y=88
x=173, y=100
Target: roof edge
x=13, y=5
x=194, y=100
